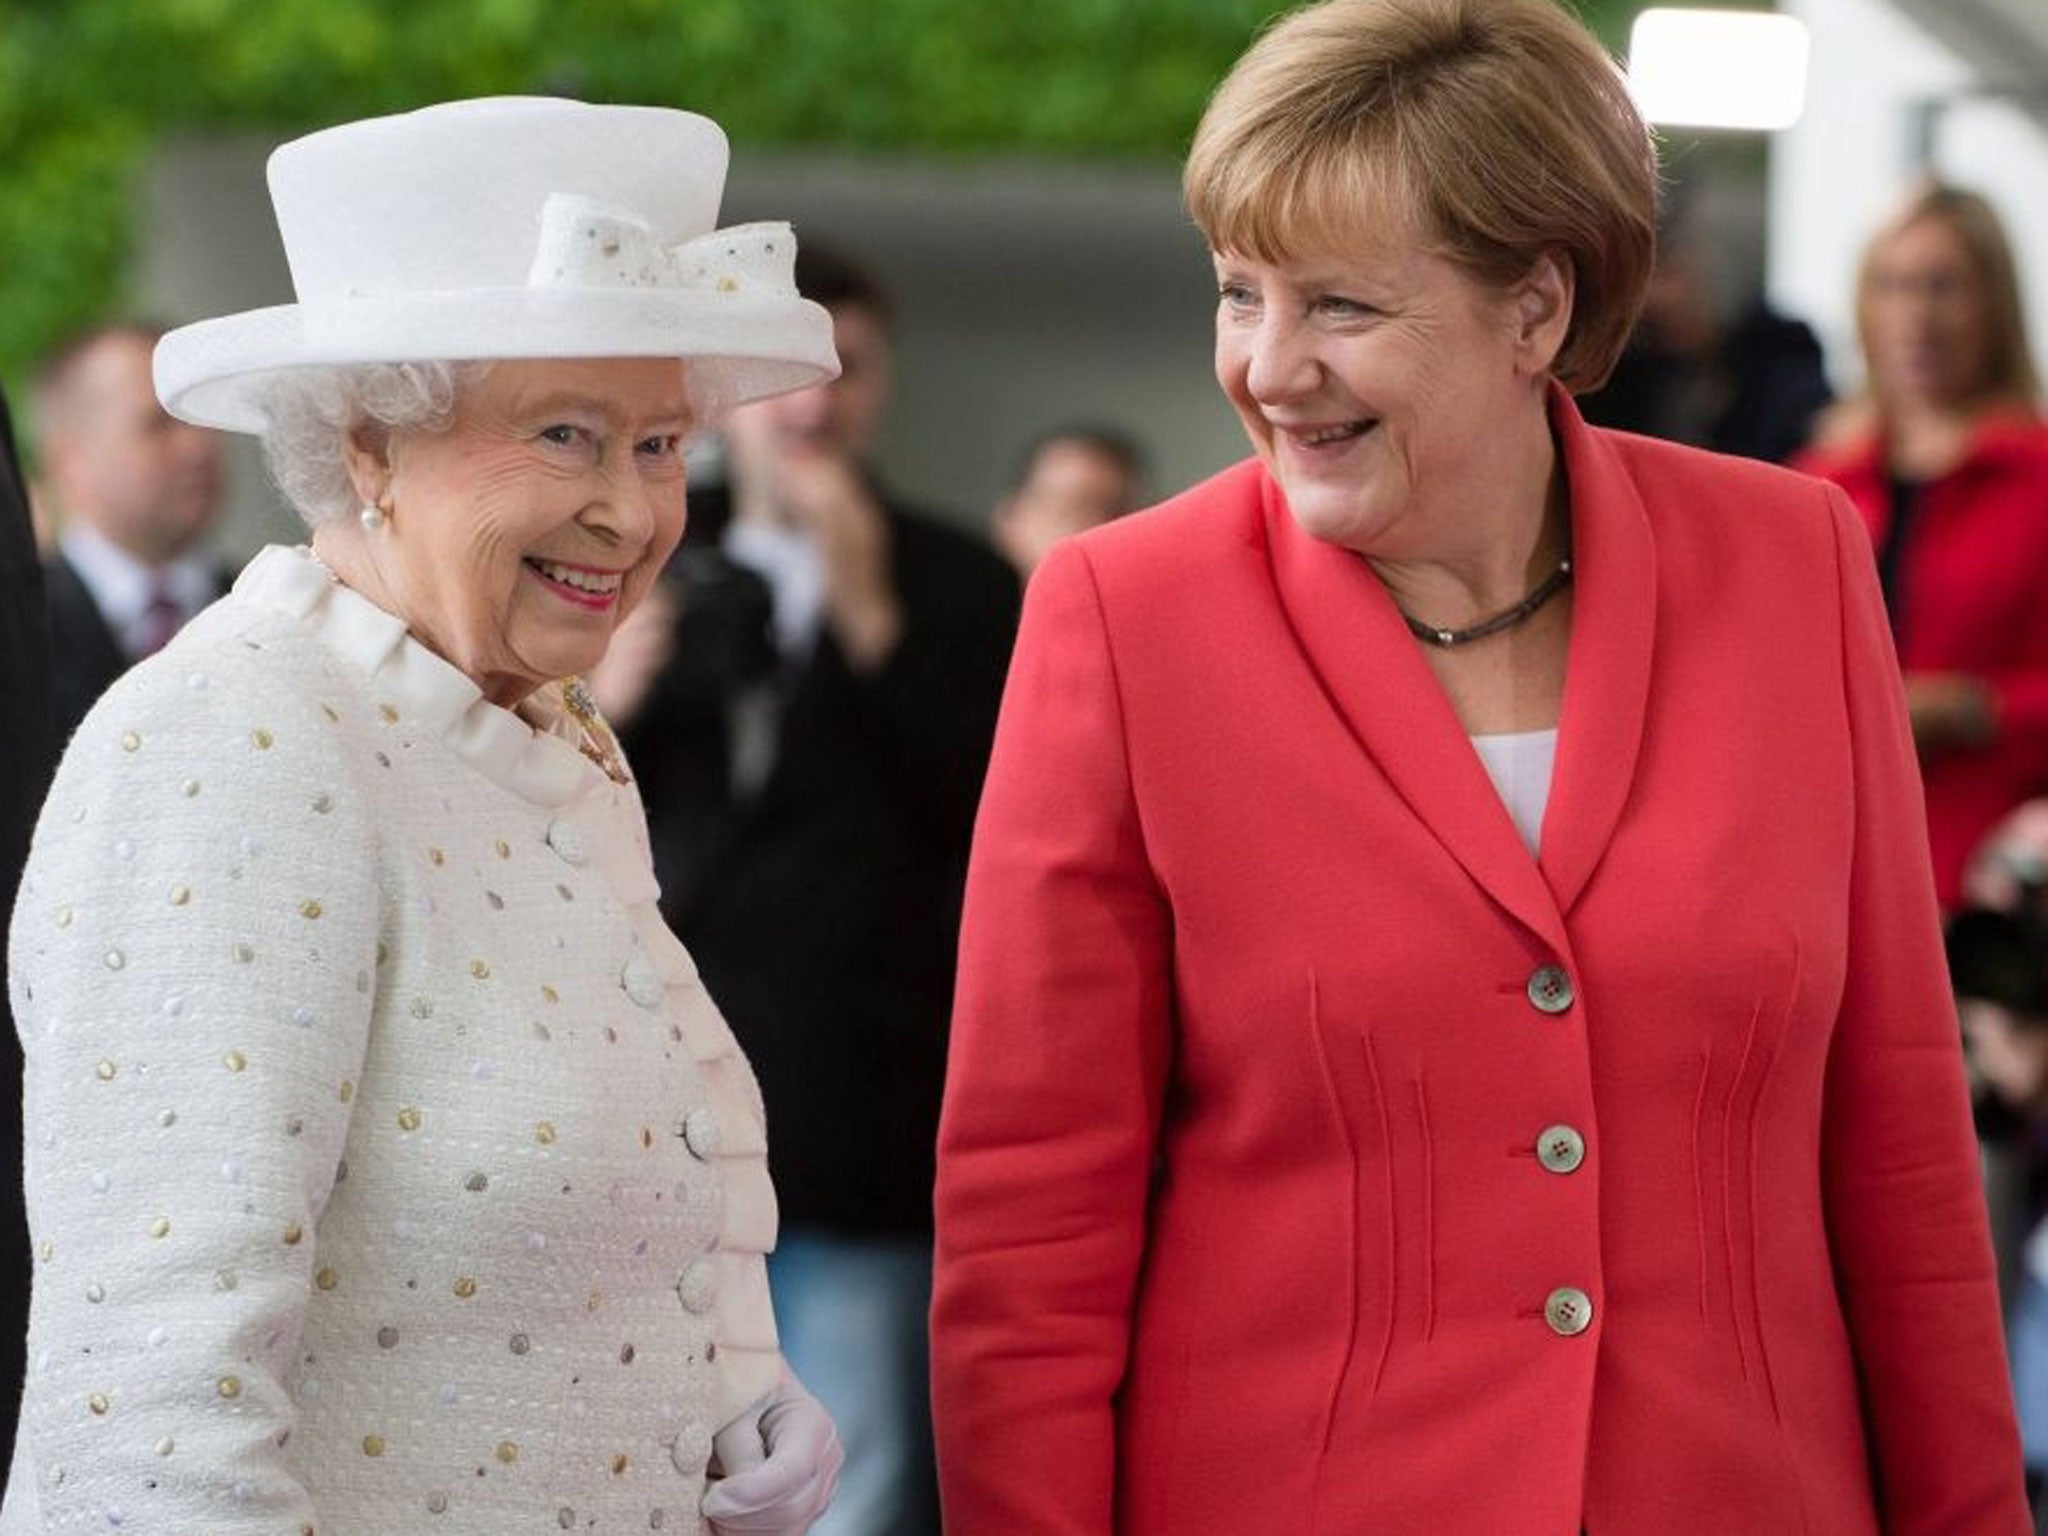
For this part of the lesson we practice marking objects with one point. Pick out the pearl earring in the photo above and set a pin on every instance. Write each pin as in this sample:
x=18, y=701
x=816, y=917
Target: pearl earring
x=371, y=517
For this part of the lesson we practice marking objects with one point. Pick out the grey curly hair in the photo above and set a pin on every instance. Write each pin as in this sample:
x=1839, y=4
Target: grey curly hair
x=312, y=411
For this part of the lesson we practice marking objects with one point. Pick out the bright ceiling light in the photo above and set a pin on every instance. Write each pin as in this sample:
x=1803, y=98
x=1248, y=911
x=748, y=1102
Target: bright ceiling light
x=1718, y=69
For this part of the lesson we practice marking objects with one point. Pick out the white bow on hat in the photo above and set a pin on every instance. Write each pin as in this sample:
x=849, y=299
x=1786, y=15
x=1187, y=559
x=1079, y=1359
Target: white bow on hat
x=586, y=245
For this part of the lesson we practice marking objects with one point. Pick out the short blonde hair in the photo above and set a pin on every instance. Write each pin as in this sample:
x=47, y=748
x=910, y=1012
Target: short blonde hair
x=1499, y=129
x=2009, y=378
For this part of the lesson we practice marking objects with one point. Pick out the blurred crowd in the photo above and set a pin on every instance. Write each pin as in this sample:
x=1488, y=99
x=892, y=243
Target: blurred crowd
x=808, y=702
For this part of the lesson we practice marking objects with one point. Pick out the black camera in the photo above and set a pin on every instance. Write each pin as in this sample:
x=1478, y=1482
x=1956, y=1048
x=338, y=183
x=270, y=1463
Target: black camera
x=724, y=636
x=2001, y=956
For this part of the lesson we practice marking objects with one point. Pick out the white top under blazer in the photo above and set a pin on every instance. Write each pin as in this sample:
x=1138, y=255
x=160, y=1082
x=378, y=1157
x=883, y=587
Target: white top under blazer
x=1520, y=763
x=388, y=1167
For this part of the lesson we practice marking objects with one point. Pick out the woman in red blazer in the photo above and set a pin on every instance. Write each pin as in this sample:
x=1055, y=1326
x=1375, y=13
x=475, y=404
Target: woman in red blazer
x=1947, y=459
x=1352, y=1131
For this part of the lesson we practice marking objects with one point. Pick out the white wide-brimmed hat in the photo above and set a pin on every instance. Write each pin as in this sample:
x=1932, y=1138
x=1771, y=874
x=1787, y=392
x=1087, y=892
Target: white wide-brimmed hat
x=510, y=227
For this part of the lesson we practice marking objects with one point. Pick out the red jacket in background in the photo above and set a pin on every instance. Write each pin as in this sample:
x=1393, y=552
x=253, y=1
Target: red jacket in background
x=1972, y=597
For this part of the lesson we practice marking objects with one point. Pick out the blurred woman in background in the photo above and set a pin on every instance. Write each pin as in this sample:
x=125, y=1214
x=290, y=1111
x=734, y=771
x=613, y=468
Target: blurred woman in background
x=1946, y=457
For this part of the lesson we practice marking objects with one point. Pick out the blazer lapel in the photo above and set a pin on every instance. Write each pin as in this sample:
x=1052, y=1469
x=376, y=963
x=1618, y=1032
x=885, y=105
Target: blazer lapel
x=1369, y=667
x=1607, y=679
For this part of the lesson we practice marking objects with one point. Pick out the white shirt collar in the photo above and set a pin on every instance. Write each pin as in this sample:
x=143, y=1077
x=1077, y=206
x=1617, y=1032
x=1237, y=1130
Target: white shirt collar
x=794, y=568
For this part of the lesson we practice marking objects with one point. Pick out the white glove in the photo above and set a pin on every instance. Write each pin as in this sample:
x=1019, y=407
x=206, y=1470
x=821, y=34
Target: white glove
x=781, y=1462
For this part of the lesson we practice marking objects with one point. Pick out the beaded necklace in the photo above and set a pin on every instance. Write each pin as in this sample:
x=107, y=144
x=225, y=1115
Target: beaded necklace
x=1444, y=639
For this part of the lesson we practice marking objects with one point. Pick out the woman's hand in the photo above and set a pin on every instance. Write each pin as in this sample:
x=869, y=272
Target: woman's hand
x=825, y=494
x=2017, y=844
x=1950, y=710
x=781, y=1460
x=2008, y=1054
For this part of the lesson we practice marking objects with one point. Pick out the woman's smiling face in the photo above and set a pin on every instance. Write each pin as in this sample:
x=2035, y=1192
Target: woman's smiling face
x=519, y=536
x=1378, y=385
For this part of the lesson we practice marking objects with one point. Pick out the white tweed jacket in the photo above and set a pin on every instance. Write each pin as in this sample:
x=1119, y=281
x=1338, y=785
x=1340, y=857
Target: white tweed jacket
x=388, y=1168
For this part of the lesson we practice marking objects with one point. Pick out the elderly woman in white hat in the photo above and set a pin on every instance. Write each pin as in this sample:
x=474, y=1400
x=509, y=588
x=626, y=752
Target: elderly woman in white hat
x=388, y=1167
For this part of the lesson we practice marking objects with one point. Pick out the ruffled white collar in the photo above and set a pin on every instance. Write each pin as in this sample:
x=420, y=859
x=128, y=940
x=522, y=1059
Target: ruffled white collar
x=540, y=763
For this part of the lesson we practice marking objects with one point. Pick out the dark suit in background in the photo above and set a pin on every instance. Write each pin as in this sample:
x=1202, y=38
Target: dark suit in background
x=1754, y=391
x=823, y=910
x=87, y=656
x=26, y=762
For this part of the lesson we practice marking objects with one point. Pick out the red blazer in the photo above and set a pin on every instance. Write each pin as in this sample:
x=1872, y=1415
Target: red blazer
x=1252, y=1202
x=1972, y=597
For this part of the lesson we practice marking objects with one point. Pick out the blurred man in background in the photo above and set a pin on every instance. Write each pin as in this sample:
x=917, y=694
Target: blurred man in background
x=136, y=493
x=1711, y=363
x=1072, y=479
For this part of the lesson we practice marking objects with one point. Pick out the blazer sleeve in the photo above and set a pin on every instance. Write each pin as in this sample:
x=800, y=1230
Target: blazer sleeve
x=1056, y=1076
x=195, y=958
x=1904, y=1204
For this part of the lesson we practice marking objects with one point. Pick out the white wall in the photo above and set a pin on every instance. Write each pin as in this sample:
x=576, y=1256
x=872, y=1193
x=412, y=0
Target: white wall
x=1836, y=174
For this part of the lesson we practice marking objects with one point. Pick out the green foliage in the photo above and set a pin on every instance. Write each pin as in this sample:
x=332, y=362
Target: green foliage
x=87, y=85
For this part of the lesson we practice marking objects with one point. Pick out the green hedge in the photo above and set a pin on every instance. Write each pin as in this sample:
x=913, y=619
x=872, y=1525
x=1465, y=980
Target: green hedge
x=87, y=85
